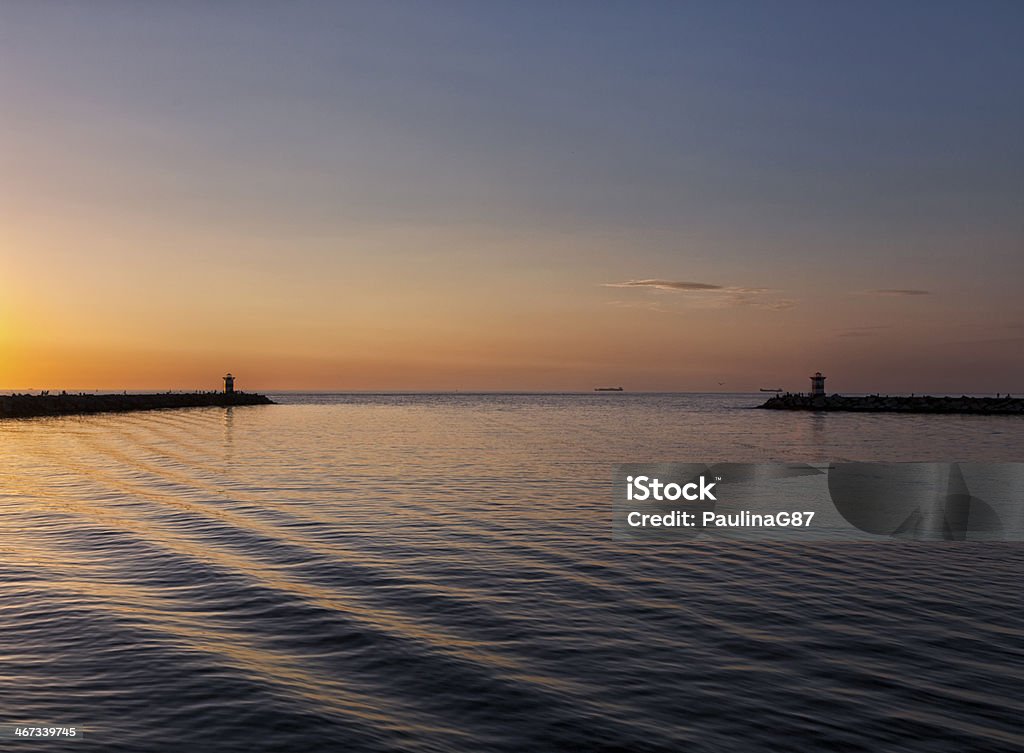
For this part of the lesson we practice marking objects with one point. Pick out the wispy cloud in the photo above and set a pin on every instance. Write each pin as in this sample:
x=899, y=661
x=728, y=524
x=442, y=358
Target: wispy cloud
x=897, y=291
x=1015, y=340
x=867, y=331
x=682, y=286
x=709, y=293
x=646, y=306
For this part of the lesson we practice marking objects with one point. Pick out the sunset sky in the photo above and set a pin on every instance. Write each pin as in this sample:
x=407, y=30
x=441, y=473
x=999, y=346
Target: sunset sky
x=512, y=195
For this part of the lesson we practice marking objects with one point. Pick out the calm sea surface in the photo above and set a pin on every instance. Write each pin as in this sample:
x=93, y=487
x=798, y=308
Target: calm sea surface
x=436, y=573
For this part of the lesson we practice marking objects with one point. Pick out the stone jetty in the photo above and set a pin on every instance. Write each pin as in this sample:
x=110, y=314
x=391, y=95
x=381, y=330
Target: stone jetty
x=26, y=406
x=989, y=406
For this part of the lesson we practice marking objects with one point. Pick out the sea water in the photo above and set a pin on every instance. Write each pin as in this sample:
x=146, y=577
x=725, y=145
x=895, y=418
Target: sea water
x=437, y=573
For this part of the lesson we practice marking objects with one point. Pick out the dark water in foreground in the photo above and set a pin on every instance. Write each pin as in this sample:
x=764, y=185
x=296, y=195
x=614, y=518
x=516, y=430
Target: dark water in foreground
x=433, y=573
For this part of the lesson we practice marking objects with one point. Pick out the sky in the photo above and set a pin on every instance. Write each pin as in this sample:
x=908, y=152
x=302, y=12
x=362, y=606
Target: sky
x=512, y=195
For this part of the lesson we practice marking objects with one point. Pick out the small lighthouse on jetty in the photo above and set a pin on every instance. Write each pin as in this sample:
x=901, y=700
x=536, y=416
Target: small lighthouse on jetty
x=817, y=385
x=229, y=384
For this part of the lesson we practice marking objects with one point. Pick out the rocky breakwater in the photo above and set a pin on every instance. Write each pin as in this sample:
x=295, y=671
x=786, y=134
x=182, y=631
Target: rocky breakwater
x=989, y=406
x=26, y=406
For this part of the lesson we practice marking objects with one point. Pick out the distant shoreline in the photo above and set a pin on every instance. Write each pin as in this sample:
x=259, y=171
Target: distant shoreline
x=66, y=404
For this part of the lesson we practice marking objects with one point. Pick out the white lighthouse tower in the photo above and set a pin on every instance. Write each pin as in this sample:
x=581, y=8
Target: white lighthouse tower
x=817, y=385
x=229, y=384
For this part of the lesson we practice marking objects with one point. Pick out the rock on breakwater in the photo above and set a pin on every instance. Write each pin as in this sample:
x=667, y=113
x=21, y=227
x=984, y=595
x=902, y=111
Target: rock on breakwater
x=899, y=404
x=26, y=406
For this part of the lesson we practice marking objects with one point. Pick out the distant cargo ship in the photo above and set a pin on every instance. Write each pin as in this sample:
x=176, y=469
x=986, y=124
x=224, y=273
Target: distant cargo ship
x=607, y=389
x=765, y=389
